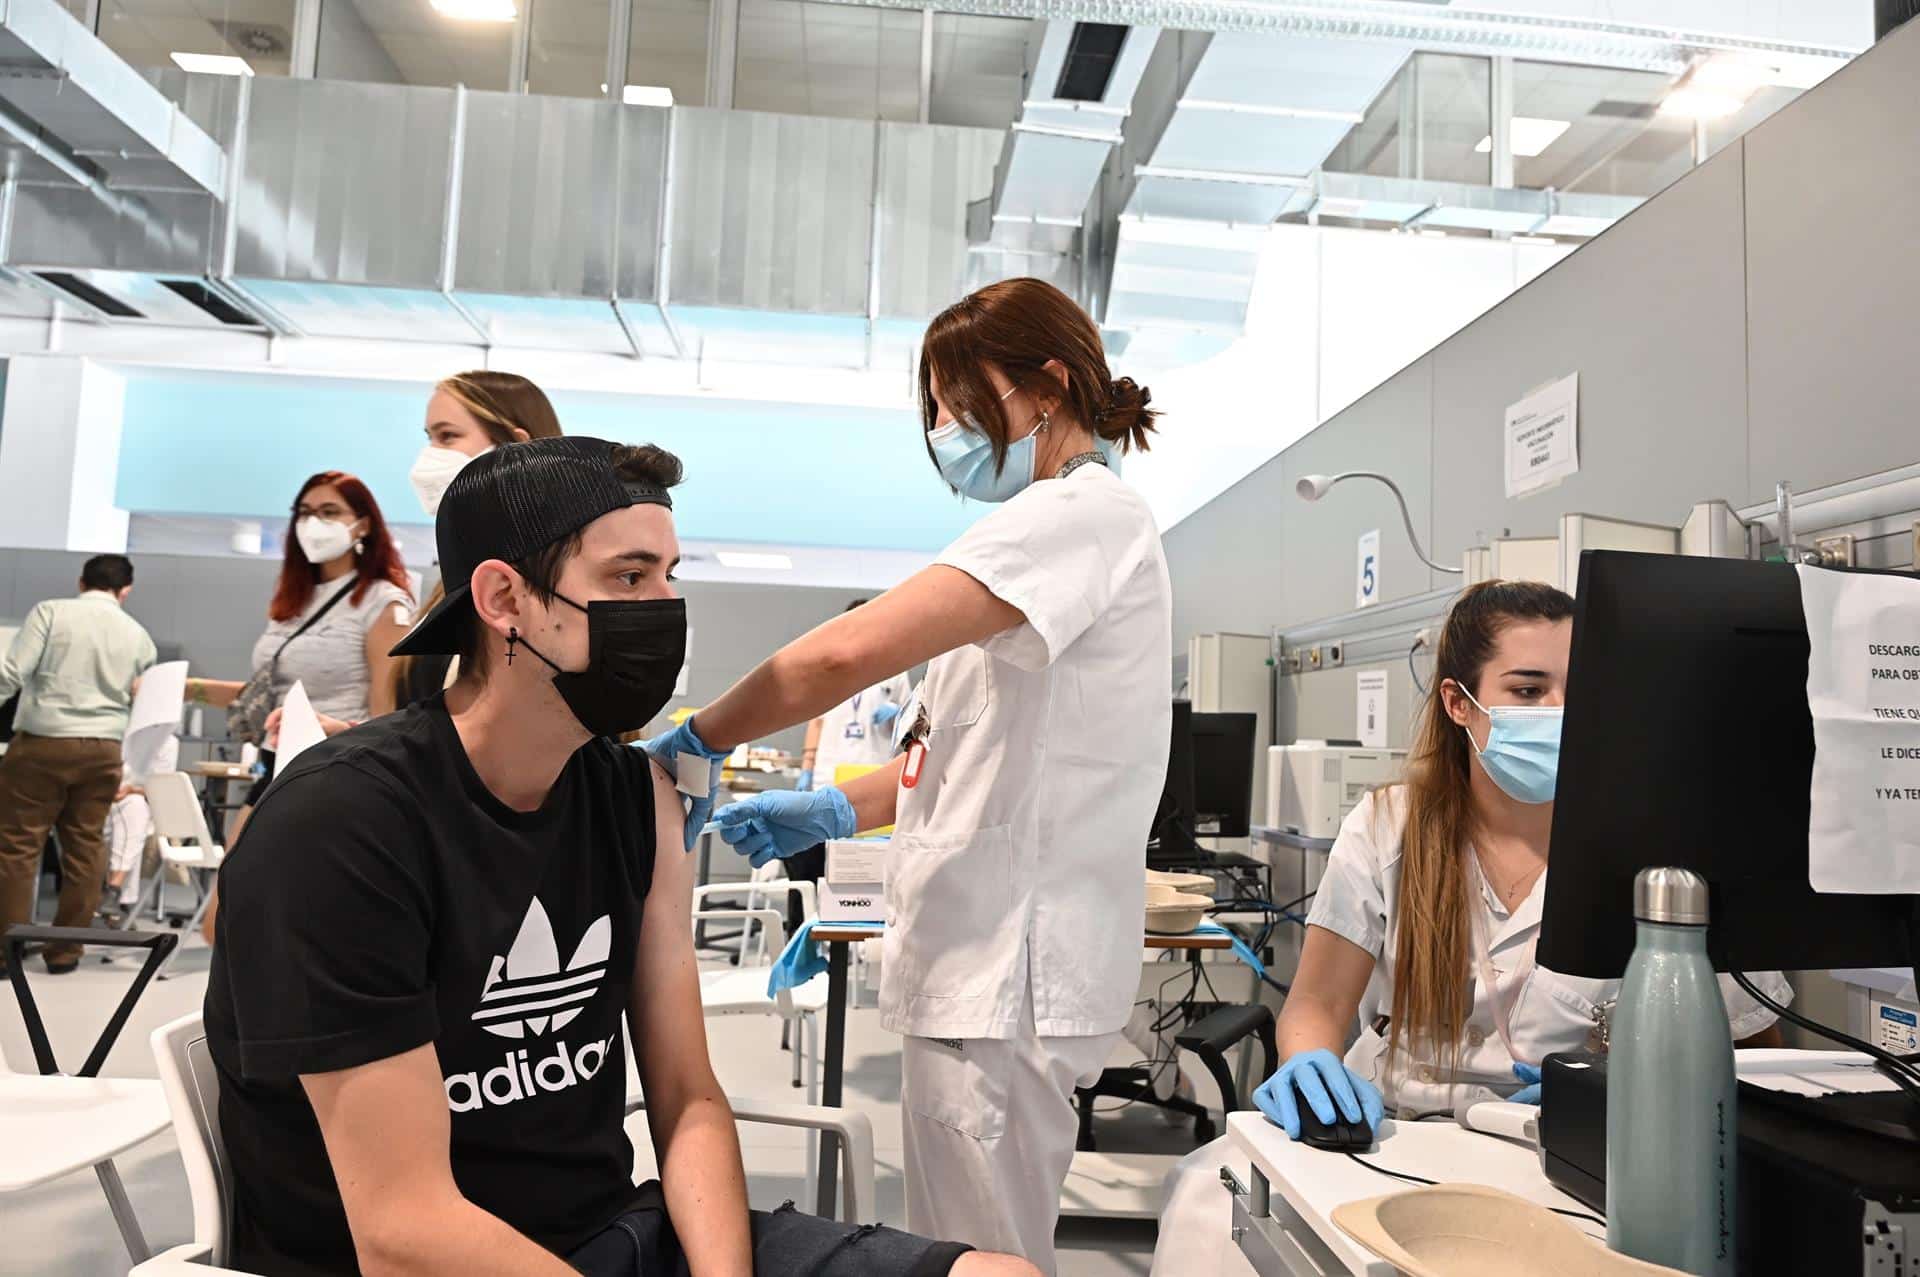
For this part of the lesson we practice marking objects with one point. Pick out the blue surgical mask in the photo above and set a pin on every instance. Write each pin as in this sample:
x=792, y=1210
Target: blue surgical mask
x=965, y=457
x=1522, y=753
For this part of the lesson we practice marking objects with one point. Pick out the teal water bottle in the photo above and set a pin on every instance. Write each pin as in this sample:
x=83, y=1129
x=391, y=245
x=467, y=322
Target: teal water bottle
x=1672, y=1137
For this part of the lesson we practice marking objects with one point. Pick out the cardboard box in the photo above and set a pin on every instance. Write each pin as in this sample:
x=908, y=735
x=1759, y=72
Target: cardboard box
x=854, y=888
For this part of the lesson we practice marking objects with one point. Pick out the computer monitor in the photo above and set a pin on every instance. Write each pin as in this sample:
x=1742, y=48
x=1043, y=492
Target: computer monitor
x=1687, y=741
x=1173, y=821
x=1223, y=758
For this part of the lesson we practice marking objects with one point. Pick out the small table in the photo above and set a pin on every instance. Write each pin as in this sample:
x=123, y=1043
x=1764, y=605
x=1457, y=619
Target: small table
x=1284, y=1224
x=1287, y=838
x=837, y=939
x=219, y=777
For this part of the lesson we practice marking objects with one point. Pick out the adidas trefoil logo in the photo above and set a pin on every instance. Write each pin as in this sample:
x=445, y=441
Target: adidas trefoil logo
x=528, y=992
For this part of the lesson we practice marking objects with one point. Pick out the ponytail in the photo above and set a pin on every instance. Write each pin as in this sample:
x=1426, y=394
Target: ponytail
x=1126, y=419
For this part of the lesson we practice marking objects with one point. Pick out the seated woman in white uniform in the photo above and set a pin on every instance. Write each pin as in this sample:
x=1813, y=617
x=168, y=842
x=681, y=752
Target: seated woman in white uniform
x=1423, y=928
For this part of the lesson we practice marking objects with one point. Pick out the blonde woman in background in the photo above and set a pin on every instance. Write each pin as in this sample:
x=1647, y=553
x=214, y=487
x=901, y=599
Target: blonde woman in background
x=470, y=413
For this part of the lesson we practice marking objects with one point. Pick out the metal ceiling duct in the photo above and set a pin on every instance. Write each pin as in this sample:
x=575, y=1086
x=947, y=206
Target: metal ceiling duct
x=442, y=215
x=1225, y=130
x=1426, y=24
x=1053, y=156
x=1458, y=205
x=72, y=113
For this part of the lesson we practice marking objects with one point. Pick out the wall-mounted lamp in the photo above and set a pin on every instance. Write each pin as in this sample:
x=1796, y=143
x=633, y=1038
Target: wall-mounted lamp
x=1314, y=486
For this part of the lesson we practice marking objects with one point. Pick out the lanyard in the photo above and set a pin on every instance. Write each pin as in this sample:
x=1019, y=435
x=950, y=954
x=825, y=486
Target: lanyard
x=1483, y=959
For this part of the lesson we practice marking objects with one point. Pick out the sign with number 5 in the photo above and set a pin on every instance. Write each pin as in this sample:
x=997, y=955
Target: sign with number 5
x=1366, y=590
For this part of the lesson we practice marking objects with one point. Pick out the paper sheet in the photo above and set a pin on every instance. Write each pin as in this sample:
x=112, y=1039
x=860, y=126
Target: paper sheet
x=154, y=722
x=300, y=729
x=1814, y=1073
x=1863, y=688
x=1543, y=437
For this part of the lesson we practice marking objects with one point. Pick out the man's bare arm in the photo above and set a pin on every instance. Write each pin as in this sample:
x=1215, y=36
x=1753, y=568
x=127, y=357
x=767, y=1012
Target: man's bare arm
x=694, y=1140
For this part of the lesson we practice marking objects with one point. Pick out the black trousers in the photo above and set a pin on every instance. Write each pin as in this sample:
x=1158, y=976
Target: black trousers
x=641, y=1243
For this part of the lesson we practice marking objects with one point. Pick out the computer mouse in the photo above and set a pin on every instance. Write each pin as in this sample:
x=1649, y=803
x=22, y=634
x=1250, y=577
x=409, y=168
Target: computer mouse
x=1339, y=1135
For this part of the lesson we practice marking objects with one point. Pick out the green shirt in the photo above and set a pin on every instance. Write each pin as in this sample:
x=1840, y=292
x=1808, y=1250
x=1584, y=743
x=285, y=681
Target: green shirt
x=74, y=662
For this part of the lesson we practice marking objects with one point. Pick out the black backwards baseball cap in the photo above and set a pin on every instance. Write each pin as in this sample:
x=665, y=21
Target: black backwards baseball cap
x=511, y=503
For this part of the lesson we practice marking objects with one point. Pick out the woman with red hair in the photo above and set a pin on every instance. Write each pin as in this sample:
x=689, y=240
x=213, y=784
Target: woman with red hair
x=343, y=599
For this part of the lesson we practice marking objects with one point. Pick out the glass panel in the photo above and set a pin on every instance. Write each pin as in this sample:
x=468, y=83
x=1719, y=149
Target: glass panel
x=147, y=33
x=567, y=48
x=1607, y=135
x=807, y=58
x=979, y=69
x=1764, y=102
x=411, y=42
x=1429, y=123
x=668, y=48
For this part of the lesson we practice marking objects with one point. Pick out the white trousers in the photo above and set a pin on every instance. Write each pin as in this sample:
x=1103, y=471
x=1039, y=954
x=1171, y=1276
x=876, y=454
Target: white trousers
x=1196, y=1216
x=990, y=1128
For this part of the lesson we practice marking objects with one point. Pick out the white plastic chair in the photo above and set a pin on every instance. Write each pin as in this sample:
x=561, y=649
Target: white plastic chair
x=180, y=827
x=742, y=989
x=192, y=1090
x=52, y=1124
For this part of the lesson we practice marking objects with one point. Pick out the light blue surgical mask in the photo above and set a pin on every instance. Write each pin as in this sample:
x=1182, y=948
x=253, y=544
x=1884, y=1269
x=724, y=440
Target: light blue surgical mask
x=965, y=457
x=1522, y=753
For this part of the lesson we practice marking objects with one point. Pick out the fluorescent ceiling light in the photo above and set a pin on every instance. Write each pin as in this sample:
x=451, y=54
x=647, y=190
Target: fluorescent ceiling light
x=1530, y=136
x=1701, y=104
x=477, y=10
x=1532, y=239
x=744, y=559
x=1282, y=112
x=647, y=95
x=212, y=63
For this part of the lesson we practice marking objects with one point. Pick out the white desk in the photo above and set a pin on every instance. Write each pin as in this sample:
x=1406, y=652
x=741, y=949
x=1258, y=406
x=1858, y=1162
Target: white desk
x=1284, y=1224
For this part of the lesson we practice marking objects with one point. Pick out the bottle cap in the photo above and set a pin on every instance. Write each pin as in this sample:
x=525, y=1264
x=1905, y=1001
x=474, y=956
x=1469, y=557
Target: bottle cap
x=1670, y=895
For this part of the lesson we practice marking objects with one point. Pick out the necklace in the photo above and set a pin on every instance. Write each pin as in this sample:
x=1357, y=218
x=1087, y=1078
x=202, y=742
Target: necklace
x=1074, y=463
x=1523, y=880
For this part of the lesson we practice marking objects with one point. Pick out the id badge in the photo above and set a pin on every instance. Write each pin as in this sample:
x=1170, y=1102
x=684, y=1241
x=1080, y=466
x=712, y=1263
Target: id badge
x=856, y=731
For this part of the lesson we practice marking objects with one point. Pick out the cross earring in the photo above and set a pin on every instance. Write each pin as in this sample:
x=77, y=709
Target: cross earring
x=513, y=637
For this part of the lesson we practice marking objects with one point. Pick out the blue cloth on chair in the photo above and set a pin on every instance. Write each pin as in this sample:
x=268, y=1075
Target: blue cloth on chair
x=1240, y=949
x=802, y=960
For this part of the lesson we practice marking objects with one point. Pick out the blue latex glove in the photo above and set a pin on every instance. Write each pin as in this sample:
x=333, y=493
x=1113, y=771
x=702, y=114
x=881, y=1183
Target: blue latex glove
x=884, y=713
x=666, y=749
x=1530, y=1093
x=805, y=782
x=1325, y=1082
x=776, y=824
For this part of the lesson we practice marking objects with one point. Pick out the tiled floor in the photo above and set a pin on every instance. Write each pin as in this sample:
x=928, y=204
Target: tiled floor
x=64, y=1228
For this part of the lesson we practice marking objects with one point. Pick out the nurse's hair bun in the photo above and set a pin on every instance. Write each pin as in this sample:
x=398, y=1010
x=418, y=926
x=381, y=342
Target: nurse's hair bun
x=1125, y=419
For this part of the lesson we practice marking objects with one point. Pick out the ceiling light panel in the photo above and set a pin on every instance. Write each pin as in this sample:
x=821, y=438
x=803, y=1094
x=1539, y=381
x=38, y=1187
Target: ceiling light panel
x=762, y=561
x=476, y=10
x=1530, y=136
x=211, y=63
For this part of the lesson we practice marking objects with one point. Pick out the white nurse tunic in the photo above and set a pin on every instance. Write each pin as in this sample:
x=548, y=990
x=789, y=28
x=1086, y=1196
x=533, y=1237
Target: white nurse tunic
x=1015, y=865
x=1014, y=893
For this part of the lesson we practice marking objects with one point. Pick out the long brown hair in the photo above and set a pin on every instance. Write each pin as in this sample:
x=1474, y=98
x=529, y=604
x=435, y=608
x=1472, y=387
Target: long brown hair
x=1431, y=1000
x=378, y=558
x=503, y=402
x=1019, y=326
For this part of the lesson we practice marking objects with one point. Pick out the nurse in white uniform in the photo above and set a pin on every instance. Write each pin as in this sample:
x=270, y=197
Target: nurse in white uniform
x=1423, y=928
x=1015, y=894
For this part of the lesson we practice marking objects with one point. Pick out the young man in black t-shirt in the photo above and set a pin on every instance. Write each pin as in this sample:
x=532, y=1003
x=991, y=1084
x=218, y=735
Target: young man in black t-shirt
x=437, y=922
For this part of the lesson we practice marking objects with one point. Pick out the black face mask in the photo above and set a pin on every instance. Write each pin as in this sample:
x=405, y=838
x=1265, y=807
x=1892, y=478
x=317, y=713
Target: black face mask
x=634, y=653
